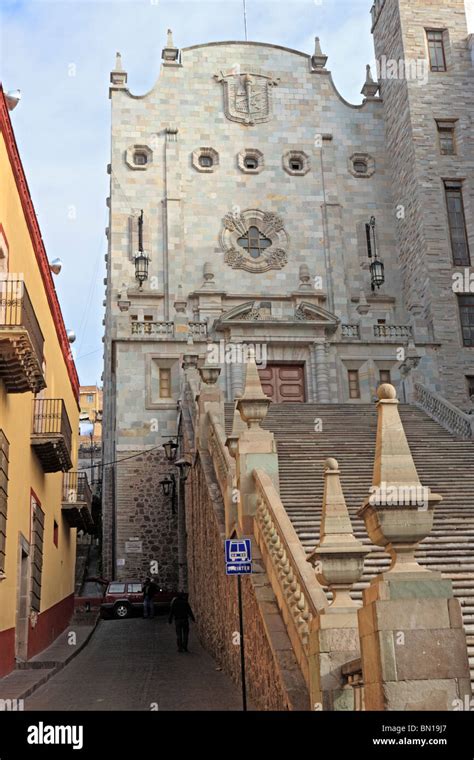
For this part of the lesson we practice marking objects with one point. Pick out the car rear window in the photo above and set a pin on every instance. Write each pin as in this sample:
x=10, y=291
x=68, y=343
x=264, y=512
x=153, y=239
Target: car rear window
x=116, y=588
x=134, y=588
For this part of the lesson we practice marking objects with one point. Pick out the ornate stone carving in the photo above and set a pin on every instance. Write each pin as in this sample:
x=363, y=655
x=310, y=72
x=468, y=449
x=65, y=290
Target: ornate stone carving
x=272, y=250
x=247, y=96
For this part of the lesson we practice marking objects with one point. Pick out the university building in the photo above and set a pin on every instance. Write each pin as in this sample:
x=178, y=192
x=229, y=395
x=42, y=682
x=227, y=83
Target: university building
x=42, y=497
x=252, y=205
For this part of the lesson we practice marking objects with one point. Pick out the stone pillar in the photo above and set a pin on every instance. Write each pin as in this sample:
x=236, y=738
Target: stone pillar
x=322, y=372
x=256, y=448
x=210, y=399
x=334, y=635
x=238, y=427
x=413, y=646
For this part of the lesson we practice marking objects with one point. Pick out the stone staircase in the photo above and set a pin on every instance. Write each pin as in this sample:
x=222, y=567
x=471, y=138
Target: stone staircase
x=347, y=432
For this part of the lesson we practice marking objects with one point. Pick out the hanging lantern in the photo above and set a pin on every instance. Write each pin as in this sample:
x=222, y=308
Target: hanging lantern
x=141, y=259
x=377, y=277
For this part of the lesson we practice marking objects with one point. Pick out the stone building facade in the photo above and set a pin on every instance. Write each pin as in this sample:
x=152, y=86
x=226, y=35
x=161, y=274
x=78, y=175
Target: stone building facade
x=257, y=181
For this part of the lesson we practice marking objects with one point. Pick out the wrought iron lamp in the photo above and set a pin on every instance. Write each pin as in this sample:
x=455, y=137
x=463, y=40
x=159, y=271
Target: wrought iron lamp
x=171, y=449
x=377, y=276
x=141, y=258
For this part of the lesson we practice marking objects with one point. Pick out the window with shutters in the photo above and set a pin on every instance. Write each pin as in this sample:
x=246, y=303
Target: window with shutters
x=4, y=453
x=37, y=537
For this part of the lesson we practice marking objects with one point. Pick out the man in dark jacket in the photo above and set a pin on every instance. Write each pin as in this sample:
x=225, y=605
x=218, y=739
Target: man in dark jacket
x=149, y=590
x=181, y=612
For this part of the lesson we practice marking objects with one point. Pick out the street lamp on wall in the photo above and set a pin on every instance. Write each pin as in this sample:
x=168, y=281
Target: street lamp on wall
x=377, y=276
x=141, y=258
x=168, y=485
x=171, y=449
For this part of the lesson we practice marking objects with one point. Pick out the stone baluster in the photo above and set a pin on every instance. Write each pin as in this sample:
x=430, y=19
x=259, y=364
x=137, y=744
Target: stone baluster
x=413, y=646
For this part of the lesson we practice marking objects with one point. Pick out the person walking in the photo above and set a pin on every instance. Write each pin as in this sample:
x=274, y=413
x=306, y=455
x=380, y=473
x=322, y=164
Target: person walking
x=180, y=611
x=149, y=590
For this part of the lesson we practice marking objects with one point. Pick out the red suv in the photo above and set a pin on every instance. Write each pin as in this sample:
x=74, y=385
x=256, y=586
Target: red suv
x=123, y=598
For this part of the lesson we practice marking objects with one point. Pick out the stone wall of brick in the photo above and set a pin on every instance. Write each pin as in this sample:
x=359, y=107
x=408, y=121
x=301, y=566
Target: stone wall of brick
x=144, y=513
x=274, y=680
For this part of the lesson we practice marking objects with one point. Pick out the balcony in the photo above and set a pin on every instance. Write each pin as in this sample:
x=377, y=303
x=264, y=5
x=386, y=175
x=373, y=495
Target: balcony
x=51, y=436
x=21, y=340
x=154, y=329
x=76, y=501
x=393, y=331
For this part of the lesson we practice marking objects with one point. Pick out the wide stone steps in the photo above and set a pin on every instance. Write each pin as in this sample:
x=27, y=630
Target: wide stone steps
x=307, y=434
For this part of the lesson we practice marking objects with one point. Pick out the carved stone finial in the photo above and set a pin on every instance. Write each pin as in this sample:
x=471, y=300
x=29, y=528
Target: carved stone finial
x=339, y=555
x=318, y=59
x=170, y=53
x=398, y=513
x=118, y=77
x=208, y=272
x=253, y=404
x=305, y=278
x=370, y=88
x=180, y=302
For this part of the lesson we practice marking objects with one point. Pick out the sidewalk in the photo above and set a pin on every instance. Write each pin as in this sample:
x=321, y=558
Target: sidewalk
x=30, y=675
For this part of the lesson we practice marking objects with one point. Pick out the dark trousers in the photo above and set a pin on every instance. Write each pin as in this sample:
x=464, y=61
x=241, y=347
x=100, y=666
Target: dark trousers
x=182, y=634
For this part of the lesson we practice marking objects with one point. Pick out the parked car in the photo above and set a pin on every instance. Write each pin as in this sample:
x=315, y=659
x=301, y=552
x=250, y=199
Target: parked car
x=124, y=598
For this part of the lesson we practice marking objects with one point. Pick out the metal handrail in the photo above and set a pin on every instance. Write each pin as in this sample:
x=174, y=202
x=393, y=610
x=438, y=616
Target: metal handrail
x=16, y=310
x=50, y=418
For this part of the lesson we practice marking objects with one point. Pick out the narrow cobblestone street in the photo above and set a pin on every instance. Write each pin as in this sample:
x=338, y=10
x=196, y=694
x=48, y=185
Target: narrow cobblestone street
x=134, y=665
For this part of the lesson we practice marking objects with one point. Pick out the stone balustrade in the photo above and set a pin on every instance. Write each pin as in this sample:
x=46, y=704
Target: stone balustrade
x=198, y=330
x=224, y=467
x=350, y=331
x=155, y=329
x=446, y=414
x=393, y=331
x=299, y=595
x=167, y=329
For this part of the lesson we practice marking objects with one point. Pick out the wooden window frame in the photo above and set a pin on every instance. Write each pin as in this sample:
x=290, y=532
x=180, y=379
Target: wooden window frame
x=463, y=309
x=435, y=67
x=350, y=374
x=456, y=186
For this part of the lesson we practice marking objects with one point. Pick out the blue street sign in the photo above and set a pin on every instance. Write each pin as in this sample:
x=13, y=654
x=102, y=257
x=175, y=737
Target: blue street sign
x=238, y=556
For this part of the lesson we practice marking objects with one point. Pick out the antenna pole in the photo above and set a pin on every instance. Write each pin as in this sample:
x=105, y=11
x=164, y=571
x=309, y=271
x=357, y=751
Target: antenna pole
x=245, y=20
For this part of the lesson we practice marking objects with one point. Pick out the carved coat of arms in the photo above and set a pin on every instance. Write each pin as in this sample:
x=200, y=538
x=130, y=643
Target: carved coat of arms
x=247, y=97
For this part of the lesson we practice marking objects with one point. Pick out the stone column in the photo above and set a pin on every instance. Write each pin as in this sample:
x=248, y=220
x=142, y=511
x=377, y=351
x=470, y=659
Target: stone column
x=334, y=635
x=413, y=646
x=322, y=371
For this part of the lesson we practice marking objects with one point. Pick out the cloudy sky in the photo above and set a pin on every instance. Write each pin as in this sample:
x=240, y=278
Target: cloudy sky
x=59, y=54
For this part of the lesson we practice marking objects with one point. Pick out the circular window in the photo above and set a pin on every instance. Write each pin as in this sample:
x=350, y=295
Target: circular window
x=360, y=167
x=140, y=158
x=296, y=165
x=205, y=161
x=254, y=242
x=250, y=162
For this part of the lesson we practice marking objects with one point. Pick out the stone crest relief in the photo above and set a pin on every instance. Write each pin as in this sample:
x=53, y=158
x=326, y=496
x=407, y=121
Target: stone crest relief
x=254, y=240
x=247, y=97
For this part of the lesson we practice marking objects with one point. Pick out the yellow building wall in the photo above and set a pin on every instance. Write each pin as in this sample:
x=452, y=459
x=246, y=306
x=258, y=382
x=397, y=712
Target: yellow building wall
x=25, y=471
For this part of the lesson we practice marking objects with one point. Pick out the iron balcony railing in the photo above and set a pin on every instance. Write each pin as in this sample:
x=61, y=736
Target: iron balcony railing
x=76, y=488
x=16, y=310
x=50, y=419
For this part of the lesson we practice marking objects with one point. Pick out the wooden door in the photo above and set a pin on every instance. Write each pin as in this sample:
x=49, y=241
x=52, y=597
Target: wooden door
x=283, y=382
